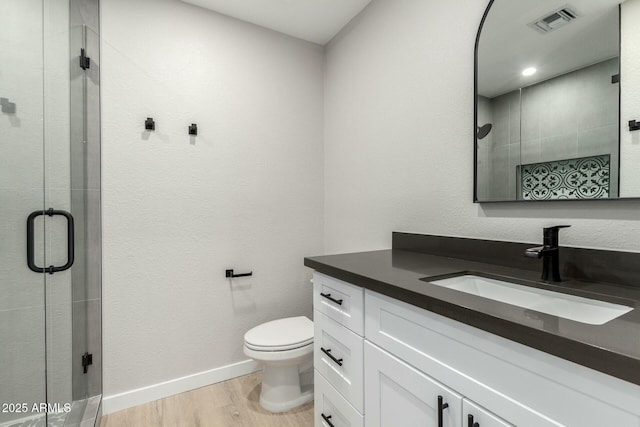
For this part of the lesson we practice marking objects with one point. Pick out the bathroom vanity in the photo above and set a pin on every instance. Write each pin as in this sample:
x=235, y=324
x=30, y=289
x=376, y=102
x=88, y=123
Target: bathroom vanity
x=391, y=349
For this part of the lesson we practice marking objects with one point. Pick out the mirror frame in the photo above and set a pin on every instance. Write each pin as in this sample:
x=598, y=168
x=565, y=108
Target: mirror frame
x=475, y=121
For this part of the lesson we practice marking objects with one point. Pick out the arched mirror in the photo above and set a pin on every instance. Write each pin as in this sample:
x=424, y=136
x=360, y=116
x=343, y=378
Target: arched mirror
x=555, y=91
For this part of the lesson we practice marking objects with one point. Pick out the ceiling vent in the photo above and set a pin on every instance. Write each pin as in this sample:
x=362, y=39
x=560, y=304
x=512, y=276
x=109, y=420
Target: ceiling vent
x=554, y=20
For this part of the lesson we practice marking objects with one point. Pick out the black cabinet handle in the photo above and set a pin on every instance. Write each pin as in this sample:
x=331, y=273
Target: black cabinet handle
x=30, y=241
x=441, y=407
x=471, y=423
x=328, y=296
x=326, y=420
x=328, y=353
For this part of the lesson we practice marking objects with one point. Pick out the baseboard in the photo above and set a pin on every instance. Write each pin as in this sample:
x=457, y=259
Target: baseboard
x=128, y=399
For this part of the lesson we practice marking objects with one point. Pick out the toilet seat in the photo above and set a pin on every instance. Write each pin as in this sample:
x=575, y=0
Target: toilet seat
x=278, y=348
x=280, y=335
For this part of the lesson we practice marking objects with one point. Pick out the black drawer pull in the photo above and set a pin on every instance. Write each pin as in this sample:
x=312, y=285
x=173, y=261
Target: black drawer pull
x=471, y=423
x=328, y=296
x=326, y=420
x=441, y=407
x=328, y=353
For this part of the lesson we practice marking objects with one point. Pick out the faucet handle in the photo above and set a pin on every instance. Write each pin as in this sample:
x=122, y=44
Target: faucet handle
x=534, y=252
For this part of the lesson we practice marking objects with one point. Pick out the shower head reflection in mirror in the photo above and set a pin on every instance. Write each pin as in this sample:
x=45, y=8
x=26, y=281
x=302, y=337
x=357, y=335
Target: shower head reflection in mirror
x=484, y=130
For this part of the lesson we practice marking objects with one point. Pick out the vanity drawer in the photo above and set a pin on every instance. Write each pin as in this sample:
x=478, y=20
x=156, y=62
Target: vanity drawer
x=333, y=406
x=340, y=301
x=338, y=355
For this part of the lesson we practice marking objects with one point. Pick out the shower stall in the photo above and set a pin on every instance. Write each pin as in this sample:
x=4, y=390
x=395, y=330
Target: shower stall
x=50, y=238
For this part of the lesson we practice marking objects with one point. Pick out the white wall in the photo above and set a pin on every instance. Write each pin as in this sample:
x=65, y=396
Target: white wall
x=399, y=139
x=246, y=193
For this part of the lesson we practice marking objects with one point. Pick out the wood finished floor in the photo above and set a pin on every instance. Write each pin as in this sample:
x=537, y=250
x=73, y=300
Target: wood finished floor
x=229, y=403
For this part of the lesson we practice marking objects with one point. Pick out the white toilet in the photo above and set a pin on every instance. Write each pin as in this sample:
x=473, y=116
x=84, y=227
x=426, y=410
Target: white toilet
x=285, y=349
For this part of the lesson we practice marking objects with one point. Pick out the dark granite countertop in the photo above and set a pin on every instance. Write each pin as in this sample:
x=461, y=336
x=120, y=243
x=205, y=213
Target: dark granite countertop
x=612, y=348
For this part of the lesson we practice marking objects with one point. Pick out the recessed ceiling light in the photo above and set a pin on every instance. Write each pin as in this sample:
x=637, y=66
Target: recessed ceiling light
x=529, y=71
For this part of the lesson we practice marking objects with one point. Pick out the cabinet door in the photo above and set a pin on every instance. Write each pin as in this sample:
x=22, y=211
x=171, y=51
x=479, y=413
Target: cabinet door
x=476, y=416
x=398, y=395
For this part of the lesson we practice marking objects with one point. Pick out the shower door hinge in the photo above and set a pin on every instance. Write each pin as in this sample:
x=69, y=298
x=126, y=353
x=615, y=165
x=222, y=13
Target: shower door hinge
x=85, y=61
x=87, y=359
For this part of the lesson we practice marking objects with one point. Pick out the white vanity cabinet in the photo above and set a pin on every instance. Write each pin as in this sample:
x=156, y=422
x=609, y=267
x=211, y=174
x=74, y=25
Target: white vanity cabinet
x=520, y=385
x=411, y=357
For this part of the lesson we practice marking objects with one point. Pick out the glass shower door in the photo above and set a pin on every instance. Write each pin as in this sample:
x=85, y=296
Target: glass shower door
x=22, y=175
x=50, y=246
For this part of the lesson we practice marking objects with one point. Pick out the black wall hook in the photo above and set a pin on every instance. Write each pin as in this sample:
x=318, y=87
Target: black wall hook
x=229, y=273
x=193, y=129
x=633, y=125
x=149, y=124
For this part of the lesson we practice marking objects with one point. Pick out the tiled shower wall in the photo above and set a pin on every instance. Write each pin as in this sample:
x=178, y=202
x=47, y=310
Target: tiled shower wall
x=570, y=116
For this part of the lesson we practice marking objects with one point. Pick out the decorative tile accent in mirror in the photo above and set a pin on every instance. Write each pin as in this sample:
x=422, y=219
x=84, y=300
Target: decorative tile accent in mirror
x=582, y=178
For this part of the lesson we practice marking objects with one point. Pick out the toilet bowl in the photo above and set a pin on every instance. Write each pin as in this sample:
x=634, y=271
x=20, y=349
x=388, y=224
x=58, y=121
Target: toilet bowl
x=285, y=349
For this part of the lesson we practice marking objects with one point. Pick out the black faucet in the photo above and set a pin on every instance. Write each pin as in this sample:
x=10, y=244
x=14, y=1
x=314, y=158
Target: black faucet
x=549, y=252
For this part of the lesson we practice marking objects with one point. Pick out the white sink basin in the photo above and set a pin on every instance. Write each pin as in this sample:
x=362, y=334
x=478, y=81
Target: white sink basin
x=571, y=307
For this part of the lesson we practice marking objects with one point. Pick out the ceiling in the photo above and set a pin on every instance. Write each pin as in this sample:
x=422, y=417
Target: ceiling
x=317, y=21
x=508, y=45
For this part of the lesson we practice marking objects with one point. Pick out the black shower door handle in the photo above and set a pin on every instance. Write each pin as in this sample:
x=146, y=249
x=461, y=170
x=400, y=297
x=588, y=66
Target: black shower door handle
x=30, y=241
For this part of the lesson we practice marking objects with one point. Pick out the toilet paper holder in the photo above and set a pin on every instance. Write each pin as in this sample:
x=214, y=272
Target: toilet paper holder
x=229, y=273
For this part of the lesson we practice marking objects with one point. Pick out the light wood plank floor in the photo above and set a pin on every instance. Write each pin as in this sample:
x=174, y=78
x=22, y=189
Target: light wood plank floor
x=229, y=403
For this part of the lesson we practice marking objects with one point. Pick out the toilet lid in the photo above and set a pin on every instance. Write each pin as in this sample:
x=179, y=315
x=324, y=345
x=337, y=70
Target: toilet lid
x=281, y=334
